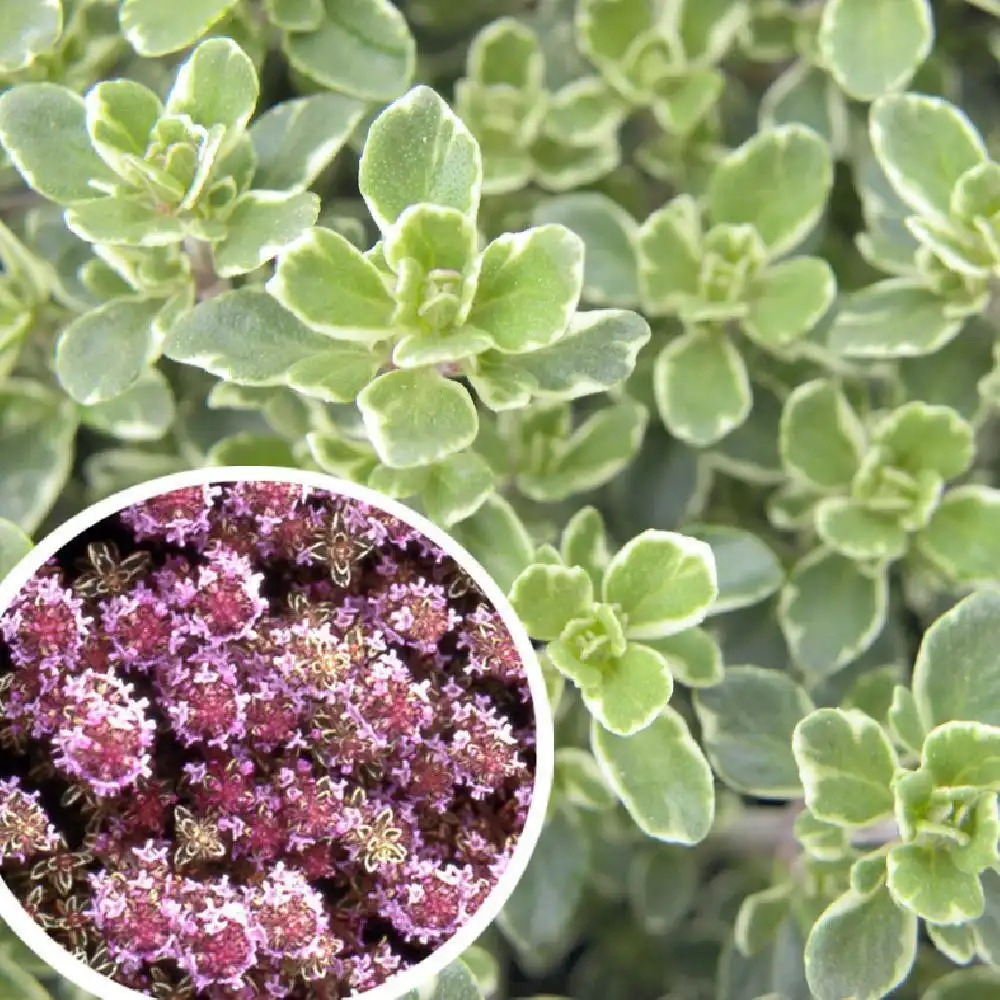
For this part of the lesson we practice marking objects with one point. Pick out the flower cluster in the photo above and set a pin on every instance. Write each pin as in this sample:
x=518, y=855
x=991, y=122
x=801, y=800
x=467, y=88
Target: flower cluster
x=260, y=741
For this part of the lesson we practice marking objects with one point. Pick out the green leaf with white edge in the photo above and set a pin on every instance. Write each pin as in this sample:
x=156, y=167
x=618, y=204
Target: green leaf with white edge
x=243, y=336
x=295, y=15
x=963, y=755
x=987, y=928
x=216, y=85
x=436, y=238
x=669, y=249
x=415, y=416
x=453, y=982
x=853, y=529
x=342, y=457
x=124, y=220
x=690, y=100
x=584, y=542
x=418, y=151
x=592, y=455
x=156, y=29
x=507, y=52
x=609, y=234
x=904, y=720
x=546, y=597
x=846, y=763
x=607, y=29
x=820, y=642
x=902, y=128
x=746, y=568
x=663, y=582
x=979, y=982
x=896, y=318
x=821, y=840
x=927, y=882
x=362, y=48
x=584, y=112
x=860, y=947
x=693, y=656
x=498, y=539
x=103, y=353
x=807, y=95
x=333, y=288
x=634, y=688
x=31, y=28
x=261, y=225
x=661, y=777
x=920, y=436
x=760, y=916
x=957, y=671
x=701, y=386
x=956, y=941
x=529, y=288
x=456, y=487
x=821, y=438
x=295, y=140
x=747, y=722
x=580, y=781
x=14, y=546
x=252, y=449
x=962, y=538
x=143, y=412
x=121, y=114
x=336, y=375
x=872, y=47
x=778, y=182
x=43, y=129
x=788, y=300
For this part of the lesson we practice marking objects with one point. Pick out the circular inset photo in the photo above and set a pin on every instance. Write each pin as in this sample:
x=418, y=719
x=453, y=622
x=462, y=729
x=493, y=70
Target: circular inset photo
x=265, y=734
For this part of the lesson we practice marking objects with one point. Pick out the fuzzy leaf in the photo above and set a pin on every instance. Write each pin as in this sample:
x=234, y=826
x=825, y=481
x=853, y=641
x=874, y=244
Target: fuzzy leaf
x=669, y=246
x=633, y=689
x=336, y=375
x=875, y=46
x=14, y=546
x=124, y=220
x=927, y=881
x=919, y=436
x=418, y=151
x=963, y=536
x=788, y=299
x=748, y=571
x=31, y=27
x=821, y=642
x=144, y=412
x=903, y=128
x=662, y=581
x=747, y=723
x=362, y=48
x=778, y=182
x=262, y=224
x=860, y=947
x=43, y=130
x=547, y=597
x=693, y=656
x=156, y=29
x=456, y=487
x=851, y=528
x=702, y=387
x=216, y=85
x=963, y=755
x=661, y=777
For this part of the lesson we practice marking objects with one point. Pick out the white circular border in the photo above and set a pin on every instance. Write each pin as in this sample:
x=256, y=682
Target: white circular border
x=81, y=974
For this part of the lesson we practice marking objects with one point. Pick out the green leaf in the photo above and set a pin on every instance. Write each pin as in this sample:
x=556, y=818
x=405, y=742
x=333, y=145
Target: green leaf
x=701, y=386
x=980, y=982
x=14, y=546
x=987, y=928
x=262, y=224
x=252, y=449
x=609, y=234
x=529, y=288
x=777, y=182
x=821, y=438
x=860, y=947
x=607, y=29
x=435, y=238
x=634, y=687
x=956, y=941
x=662, y=885
x=579, y=779
x=243, y=336
x=121, y=115
x=747, y=570
x=670, y=253
x=362, y=48
x=661, y=777
x=143, y=412
x=295, y=15
x=957, y=671
x=747, y=723
x=507, y=52
x=662, y=581
x=807, y=95
x=787, y=300
x=903, y=128
x=31, y=28
x=823, y=643
x=456, y=487
x=963, y=536
x=919, y=436
x=417, y=416
x=963, y=755
x=851, y=528
x=453, y=982
x=821, y=840
x=43, y=129
x=336, y=375
x=847, y=764
x=547, y=597
x=332, y=287
x=418, y=151
x=875, y=46
x=295, y=140
x=693, y=656
x=896, y=318
x=103, y=353
x=124, y=220
x=498, y=539
x=215, y=85
x=584, y=543
x=156, y=29
x=904, y=719
x=926, y=881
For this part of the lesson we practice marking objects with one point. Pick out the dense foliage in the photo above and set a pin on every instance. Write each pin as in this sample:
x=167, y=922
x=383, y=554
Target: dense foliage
x=680, y=314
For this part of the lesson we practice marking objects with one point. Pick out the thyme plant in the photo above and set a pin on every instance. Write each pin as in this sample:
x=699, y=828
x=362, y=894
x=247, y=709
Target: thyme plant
x=681, y=316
